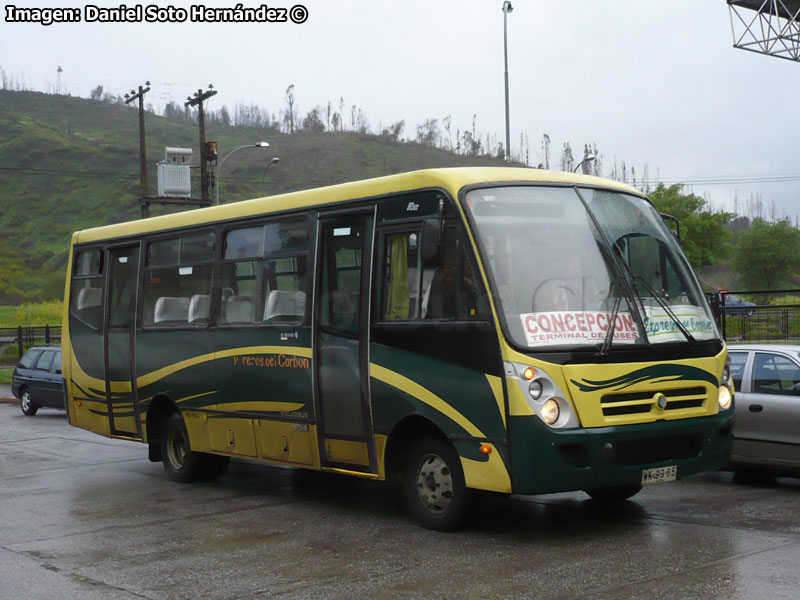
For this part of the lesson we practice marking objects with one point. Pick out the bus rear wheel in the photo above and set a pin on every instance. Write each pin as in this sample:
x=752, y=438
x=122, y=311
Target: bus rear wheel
x=612, y=495
x=434, y=485
x=181, y=463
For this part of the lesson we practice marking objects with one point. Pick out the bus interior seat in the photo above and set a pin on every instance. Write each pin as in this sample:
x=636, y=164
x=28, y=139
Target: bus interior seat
x=227, y=292
x=88, y=306
x=199, y=309
x=89, y=297
x=239, y=309
x=171, y=310
x=283, y=305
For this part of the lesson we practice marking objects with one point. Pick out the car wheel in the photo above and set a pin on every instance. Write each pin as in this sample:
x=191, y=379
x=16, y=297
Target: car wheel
x=29, y=407
x=613, y=495
x=434, y=485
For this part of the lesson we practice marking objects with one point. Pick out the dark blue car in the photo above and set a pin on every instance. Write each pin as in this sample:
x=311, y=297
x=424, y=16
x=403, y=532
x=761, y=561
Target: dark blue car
x=37, y=380
x=735, y=305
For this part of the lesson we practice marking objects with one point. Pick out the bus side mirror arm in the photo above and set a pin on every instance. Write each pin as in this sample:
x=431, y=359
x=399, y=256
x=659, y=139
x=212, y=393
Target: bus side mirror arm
x=674, y=220
x=431, y=241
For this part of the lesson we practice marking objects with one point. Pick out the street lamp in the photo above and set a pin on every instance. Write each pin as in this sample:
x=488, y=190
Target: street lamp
x=227, y=156
x=274, y=161
x=507, y=8
x=589, y=158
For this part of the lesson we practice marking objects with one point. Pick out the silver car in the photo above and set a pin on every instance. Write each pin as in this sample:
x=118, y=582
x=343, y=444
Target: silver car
x=766, y=429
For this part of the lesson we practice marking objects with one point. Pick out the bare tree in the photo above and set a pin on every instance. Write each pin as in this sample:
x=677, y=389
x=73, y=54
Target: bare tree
x=362, y=124
x=428, y=132
x=313, y=121
x=394, y=131
x=446, y=123
x=567, y=160
x=290, y=111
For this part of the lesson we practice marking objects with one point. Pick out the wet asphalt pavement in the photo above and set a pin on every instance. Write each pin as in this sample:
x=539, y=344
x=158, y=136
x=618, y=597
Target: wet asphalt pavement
x=85, y=517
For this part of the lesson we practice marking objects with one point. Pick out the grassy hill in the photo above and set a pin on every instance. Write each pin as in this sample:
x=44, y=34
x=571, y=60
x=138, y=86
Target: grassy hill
x=70, y=163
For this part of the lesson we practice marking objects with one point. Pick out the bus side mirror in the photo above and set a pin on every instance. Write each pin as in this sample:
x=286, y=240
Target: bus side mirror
x=431, y=240
x=673, y=224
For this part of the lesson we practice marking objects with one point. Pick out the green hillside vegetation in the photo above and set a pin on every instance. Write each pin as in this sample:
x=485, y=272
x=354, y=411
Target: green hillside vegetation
x=71, y=163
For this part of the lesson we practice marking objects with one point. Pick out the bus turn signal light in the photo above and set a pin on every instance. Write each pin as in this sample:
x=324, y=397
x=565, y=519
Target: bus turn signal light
x=528, y=373
x=486, y=449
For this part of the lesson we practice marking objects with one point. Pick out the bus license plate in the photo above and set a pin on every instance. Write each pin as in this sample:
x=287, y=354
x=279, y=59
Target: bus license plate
x=659, y=475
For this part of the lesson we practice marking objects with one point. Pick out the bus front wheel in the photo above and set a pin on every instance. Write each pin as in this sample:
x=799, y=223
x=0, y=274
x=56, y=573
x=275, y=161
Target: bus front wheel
x=181, y=463
x=434, y=485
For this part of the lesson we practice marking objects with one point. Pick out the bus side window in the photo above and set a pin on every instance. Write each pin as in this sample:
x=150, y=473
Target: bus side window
x=455, y=292
x=86, y=291
x=177, y=283
x=448, y=290
x=271, y=286
x=402, y=274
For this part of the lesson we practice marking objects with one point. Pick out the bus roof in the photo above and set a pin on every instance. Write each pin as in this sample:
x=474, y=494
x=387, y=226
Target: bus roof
x=452, y=179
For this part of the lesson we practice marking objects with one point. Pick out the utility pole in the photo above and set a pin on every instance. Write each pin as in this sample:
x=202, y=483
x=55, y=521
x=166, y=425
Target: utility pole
x=144, y=190
x=507, y=8
x=198, y=99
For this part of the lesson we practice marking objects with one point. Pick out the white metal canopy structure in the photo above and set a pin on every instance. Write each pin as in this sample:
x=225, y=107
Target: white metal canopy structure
x=770, y=27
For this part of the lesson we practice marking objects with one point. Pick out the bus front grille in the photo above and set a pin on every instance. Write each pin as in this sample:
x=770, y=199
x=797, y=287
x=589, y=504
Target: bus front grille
x=631, y=403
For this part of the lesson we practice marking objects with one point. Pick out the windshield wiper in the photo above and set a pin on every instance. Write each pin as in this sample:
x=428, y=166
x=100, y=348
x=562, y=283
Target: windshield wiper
x=626, y=283
x=660, y=299
x=611, y=326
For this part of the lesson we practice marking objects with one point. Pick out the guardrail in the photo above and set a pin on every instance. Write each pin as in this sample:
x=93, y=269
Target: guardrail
x=758, y=317
x=15, y=341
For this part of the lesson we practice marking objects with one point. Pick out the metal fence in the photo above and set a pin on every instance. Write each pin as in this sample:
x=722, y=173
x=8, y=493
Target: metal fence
x=15, y=341
x=758, y=317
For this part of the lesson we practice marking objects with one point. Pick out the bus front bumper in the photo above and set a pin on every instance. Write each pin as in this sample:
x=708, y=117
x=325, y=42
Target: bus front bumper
x=546, y=461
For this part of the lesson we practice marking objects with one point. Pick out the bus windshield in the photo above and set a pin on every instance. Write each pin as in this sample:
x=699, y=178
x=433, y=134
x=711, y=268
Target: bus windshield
x=581, y=267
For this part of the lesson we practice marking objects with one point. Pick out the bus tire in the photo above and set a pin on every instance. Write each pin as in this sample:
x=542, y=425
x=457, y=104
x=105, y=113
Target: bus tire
x=612, y=495
x=180, y=462
x=434, y=485
x=28, y=406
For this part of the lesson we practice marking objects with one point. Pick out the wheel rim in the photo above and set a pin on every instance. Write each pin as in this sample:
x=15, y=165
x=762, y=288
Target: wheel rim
x=435, y=483
x=26, y=401
x=176, y=449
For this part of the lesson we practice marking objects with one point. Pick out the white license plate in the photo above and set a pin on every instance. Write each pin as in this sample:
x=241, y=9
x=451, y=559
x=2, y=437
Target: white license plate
x=659, y=475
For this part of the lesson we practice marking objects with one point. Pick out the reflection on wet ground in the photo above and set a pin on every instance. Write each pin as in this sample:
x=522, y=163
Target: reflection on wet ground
x=86, y=517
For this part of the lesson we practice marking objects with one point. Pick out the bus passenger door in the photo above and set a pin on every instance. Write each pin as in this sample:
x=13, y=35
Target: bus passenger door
x=120, y=327
x=341, y=363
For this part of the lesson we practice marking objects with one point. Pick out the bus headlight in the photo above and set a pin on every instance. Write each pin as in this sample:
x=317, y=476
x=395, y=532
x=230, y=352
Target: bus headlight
x=726, y=386
x=543, y=395
x=725, y=397
x=550, y=411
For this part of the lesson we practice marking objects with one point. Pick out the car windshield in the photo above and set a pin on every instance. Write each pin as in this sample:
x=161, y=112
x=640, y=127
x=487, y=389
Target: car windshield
x=570, y=264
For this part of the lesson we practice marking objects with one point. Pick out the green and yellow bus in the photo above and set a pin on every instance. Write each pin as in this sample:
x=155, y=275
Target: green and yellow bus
x=512, y=330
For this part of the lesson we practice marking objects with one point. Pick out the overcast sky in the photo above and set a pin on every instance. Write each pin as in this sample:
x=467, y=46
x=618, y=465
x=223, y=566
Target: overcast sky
x=648, y=81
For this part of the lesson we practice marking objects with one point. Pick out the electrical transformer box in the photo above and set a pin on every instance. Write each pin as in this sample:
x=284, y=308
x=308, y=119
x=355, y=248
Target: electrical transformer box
x=174, y=175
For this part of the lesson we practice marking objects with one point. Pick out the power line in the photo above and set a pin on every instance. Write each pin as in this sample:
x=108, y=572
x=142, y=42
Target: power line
x=122, y=175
